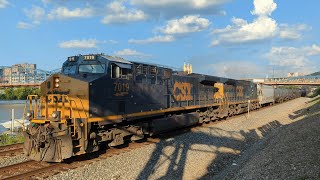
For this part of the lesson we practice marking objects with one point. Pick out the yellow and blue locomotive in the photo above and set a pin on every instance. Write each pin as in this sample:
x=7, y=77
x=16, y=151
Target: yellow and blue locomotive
x=103, y=100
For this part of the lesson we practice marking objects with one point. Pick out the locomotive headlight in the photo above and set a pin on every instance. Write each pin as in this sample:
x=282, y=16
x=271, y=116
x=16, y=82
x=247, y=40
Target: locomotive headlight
x=56, y=82
x=29, y=115
x=54, y=114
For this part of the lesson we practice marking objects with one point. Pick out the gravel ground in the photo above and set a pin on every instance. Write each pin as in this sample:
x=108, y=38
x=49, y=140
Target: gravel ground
x=12, y=160
x=247, y=147
x=292, y=152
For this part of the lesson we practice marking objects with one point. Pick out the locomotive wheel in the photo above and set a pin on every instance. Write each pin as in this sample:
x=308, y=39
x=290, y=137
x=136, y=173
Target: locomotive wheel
x=214, y=116
x=232, y=111
x=238, y=110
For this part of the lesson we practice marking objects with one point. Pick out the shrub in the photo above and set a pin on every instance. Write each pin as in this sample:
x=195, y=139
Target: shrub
x=6, y=139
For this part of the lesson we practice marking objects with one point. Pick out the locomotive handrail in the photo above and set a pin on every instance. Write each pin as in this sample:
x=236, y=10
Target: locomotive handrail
x=30, y=98
x=83, y=108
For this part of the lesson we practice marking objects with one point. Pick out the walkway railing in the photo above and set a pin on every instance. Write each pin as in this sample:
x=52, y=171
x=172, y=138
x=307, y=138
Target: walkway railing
x=304, y=80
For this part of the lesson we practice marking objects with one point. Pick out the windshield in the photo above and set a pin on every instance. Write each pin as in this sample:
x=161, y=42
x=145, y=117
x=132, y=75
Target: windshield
x=69, y=69
x=92, y=68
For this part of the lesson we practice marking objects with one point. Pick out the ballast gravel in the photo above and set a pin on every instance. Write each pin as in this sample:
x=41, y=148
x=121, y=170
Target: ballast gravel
x=12, y=160
x=281, y=142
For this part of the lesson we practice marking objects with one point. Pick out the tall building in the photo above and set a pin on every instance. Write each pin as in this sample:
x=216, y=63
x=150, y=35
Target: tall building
x=22, y=74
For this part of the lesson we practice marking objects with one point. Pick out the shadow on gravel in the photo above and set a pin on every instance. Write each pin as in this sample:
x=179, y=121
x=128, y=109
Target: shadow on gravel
x=307, y=110
x=313, y=100
x=289, y=152
x=228, y=152
x=221, y=146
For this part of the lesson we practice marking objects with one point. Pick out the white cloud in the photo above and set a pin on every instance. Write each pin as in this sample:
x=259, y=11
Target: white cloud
x=156, y=39
x=111, y=41
x=235, y=69
x=264, y=7
x=187, y=24
x=36, y=14
x=263, y=27
x=188, y=3
x=175, y=27
x=173, y=8
x=292, y=31
x=118, y=14
x=241, y=31
x=4, y=3
x=24, y=25
x=65, y=13
x=131, y=53
x=291, y=56
x=79, y=44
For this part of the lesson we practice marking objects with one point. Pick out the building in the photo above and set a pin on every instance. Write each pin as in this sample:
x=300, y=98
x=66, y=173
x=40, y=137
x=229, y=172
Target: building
x=1, y=72
x=294, y=74
x=23, y=74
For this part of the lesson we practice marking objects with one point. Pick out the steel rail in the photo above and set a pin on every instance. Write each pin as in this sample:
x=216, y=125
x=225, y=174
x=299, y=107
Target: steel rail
x=11, y=150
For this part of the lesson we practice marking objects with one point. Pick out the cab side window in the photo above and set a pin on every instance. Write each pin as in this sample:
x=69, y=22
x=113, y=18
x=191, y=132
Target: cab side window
x=115, y=71
x=121, y=71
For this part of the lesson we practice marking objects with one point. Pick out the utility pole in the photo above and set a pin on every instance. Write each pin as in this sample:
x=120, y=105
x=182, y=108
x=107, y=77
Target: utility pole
x=273, y=72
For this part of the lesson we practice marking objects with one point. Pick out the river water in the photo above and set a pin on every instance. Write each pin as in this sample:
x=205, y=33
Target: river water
x=6, y=109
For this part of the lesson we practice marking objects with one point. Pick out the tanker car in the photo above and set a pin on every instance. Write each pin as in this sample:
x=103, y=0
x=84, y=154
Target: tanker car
x=99, y=100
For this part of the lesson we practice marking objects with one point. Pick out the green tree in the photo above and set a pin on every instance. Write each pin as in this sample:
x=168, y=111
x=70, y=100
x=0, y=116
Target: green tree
x=19, y=93
x=8, y=93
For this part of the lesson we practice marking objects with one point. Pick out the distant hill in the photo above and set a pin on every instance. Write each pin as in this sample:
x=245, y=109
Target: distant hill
x=315, y=74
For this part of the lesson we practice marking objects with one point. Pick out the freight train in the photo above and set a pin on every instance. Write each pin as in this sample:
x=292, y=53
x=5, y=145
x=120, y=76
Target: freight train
x=99, y=100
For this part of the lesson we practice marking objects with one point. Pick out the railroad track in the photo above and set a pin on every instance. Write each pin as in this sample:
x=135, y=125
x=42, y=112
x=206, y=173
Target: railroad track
x=35, y=170
x=11, y=150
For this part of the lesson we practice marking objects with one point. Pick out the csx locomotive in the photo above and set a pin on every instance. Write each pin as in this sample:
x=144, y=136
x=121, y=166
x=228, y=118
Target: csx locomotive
x=103, y=100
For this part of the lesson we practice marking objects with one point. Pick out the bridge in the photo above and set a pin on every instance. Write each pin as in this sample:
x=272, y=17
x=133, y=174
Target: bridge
x=6, y=85
x=300, y=81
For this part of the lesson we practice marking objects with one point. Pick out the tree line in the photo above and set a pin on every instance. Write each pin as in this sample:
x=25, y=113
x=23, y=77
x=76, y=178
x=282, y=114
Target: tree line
x=19, y=93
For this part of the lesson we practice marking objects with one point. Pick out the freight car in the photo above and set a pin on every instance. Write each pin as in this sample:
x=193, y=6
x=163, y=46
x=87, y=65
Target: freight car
x=265, y=94
x=103, y=100
x=269, y=95
x=285, y=94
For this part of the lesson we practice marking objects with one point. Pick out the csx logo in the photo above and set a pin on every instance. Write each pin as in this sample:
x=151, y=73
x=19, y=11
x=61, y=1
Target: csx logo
x=182, y=91
x=239, y=90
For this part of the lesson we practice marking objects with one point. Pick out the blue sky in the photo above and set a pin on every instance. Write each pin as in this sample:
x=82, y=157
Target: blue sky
x=232, y=38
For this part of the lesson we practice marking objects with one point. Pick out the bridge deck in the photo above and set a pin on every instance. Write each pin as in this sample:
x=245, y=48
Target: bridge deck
x=293, y=83
x=19, y=85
